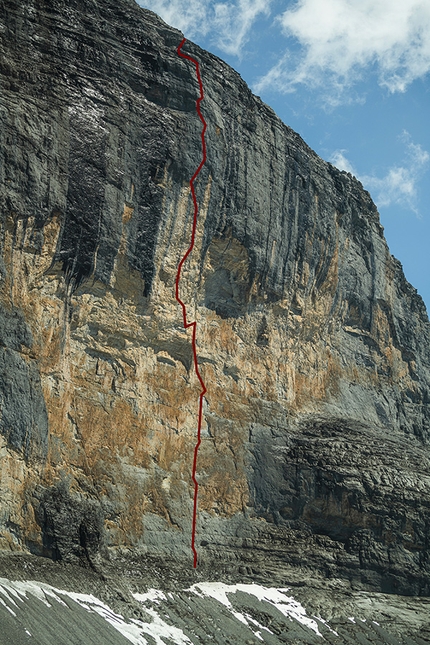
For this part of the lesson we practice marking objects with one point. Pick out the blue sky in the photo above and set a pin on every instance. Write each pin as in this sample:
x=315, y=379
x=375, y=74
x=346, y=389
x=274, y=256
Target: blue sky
x=352, y=77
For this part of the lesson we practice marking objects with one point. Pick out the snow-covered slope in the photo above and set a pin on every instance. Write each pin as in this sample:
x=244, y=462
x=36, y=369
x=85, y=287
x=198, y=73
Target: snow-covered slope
x=209, y=612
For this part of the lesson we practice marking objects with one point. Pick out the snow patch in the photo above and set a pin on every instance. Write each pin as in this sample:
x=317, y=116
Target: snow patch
x=287, y=605
x=13, y=595
x=153, y=595
x=133, y=631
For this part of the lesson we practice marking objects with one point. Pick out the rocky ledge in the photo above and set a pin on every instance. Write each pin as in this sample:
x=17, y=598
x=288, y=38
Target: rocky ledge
x=149, y=601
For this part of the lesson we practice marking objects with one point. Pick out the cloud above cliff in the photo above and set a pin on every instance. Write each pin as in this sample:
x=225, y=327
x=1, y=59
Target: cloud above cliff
x=190, y=16
x=340, y=40
x=233, y=22
x=321, y=44
x=228, y=23
x=399, y=184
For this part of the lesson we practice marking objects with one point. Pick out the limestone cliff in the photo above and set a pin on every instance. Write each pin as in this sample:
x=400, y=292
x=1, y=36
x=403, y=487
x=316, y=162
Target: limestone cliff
x=313, y=346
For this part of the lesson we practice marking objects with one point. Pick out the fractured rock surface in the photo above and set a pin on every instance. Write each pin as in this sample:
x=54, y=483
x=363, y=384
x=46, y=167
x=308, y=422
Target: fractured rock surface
x=314, y=348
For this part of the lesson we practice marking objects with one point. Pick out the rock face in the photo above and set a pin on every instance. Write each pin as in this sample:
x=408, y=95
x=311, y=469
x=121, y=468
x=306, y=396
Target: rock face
x=313, y=346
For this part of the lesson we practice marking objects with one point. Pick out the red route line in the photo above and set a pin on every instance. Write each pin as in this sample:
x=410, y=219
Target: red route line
x=184, y=309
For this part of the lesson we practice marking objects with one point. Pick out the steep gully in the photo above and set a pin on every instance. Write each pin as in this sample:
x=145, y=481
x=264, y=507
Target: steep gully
x=193, y=324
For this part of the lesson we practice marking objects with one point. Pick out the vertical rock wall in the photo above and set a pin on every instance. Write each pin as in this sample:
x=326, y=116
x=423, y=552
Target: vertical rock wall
x=314, y=348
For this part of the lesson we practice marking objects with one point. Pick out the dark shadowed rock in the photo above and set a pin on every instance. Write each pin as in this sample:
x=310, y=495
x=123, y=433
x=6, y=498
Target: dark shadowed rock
x=72, y=526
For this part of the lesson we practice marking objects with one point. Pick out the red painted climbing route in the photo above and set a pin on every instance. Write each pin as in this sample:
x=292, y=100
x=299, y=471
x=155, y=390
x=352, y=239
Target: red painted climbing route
x=193, y=324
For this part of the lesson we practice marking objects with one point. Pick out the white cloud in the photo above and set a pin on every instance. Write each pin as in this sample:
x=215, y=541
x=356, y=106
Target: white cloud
x=229, y=23
x=339, y=160
x=399, y=185
x=190, y=16
x=340, y=39
x=233, y=22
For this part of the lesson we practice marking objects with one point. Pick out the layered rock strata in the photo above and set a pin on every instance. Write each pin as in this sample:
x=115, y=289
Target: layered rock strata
x=313, y=346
